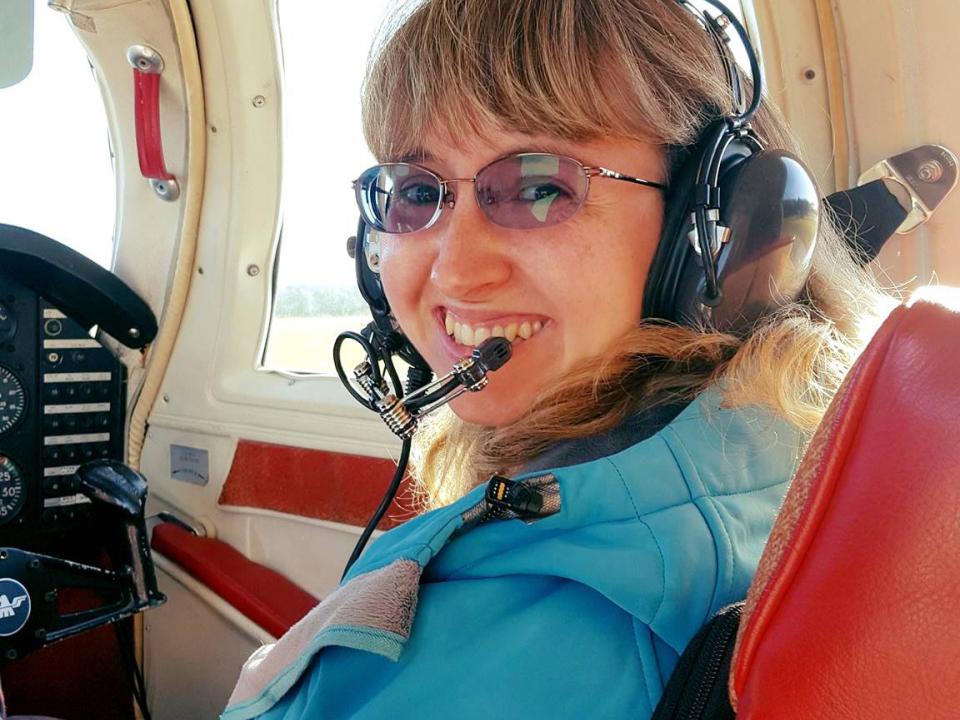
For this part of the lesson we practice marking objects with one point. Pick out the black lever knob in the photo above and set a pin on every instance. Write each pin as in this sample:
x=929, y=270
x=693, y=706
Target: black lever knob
x=115, y=484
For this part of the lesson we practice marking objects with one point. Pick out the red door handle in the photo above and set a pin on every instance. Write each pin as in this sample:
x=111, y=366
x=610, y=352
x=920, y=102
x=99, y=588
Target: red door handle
x=147, y=68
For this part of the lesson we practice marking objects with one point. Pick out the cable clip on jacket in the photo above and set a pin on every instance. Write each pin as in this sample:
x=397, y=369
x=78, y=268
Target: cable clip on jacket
x=513, y=495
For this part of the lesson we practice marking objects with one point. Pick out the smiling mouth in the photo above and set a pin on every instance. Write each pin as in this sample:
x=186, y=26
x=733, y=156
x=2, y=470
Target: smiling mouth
x=470, y=335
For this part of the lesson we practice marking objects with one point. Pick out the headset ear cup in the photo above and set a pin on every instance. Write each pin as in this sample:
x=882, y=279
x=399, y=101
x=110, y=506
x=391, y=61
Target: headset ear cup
x=671, y=254
x=368, y=281
x=663, y=298
x=771, y=207
x=371, y=289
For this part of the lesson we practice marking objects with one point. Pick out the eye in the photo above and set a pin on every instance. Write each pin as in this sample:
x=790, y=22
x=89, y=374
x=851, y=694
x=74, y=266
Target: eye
x=419, y=193
x=541, y=190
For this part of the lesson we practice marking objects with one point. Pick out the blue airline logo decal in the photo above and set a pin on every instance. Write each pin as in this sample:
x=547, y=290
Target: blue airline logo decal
x=14, y=607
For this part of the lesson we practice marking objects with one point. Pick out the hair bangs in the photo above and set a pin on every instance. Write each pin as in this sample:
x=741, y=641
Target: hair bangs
x=454, y=69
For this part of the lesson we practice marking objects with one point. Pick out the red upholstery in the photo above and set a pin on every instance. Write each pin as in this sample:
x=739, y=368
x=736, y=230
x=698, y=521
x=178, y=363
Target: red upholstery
x=316, y=483
x=266, y=597
x=855, y=611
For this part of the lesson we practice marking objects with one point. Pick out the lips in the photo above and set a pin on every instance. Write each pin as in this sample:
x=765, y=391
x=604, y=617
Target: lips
x=464, y=330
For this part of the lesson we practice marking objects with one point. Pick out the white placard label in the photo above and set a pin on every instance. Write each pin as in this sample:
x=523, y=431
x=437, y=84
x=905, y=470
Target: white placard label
x=66, y=500
x=75, y=439
x=76, y=377
x=60, y=470
x=70, y=344
x=76, y=408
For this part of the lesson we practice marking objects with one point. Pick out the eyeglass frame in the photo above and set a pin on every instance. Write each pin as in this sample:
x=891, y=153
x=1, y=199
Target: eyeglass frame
x=449, y=200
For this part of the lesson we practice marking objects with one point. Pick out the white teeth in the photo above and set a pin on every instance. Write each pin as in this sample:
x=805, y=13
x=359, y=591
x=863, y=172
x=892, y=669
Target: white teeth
x=464, y=334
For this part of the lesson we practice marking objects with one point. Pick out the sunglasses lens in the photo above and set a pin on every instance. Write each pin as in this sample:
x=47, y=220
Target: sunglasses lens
x=531, y=190
x=398, y=197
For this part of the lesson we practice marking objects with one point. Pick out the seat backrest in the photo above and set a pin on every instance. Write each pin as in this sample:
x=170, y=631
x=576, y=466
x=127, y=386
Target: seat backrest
x=854, y=610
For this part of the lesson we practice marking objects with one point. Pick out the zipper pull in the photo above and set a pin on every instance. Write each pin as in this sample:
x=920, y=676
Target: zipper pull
x=506, y=494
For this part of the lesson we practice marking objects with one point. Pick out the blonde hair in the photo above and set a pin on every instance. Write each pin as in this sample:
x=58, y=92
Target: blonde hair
x=581, y=70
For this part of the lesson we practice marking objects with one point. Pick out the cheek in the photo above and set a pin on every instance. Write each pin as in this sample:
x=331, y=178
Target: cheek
x=401, y=273
x=601, y=284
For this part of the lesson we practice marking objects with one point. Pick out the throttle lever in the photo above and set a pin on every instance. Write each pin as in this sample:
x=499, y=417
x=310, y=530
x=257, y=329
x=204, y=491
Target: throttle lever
x=118, y=490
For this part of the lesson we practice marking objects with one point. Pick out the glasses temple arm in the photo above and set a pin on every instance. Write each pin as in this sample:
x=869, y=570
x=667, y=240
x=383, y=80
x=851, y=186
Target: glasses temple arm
x=614, y=175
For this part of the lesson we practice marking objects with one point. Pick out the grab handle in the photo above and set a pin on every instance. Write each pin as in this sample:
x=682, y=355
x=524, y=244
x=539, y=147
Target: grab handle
x=147, y=68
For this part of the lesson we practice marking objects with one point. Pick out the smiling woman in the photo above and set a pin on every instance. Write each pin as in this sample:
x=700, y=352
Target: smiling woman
x=676, y=335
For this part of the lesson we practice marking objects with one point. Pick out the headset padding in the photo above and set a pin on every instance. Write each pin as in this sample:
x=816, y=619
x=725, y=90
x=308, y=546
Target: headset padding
x=674, y=253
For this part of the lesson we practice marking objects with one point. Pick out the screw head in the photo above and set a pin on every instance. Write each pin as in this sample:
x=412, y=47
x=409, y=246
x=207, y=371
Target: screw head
x=930, y=171
x=253, y=270
x=259, y=101
x=11, y=654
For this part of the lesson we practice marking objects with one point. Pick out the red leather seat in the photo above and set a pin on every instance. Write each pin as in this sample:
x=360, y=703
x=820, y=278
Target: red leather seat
x=855, y=611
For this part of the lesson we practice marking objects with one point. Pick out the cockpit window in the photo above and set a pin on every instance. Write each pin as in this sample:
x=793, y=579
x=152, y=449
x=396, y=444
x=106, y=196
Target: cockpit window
x=57, y=174
x=316, y=295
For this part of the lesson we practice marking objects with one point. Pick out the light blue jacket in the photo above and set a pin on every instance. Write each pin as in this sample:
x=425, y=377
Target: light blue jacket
x=575, y=614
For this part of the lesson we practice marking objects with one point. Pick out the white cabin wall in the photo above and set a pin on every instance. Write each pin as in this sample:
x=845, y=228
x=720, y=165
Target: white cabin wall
x=885, y=82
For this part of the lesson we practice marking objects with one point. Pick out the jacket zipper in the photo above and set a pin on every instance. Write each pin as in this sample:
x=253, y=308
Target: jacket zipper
x=716, y=654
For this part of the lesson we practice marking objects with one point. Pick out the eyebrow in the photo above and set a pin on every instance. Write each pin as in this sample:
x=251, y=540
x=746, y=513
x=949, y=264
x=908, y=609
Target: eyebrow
x=420, y=155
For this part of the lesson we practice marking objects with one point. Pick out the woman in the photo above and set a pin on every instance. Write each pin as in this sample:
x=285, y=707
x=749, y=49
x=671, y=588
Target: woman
x=651, y=457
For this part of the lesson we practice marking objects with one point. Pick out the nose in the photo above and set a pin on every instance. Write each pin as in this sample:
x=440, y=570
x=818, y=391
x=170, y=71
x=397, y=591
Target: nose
x=473, y=259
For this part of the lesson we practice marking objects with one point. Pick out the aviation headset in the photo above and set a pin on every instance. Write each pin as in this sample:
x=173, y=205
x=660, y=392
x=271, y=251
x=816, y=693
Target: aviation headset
x=740, y=223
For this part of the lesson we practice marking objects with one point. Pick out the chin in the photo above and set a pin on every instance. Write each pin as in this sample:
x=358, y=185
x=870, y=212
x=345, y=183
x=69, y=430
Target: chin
x=491, y=407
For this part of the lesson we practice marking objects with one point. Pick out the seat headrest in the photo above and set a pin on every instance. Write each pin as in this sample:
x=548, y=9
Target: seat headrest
x=854, y=610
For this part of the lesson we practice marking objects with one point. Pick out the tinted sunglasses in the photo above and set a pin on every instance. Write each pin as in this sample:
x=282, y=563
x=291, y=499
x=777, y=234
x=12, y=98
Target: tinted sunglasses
x=522, y=192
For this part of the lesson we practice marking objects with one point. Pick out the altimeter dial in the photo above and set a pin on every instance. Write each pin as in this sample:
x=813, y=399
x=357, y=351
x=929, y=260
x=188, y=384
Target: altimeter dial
x=13, y=490
x=13, y=400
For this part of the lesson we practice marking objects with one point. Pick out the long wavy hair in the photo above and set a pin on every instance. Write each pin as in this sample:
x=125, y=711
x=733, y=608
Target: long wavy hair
x=581, y=70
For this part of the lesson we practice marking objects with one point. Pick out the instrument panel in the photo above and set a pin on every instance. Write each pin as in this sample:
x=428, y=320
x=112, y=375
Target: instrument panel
x=61, y=403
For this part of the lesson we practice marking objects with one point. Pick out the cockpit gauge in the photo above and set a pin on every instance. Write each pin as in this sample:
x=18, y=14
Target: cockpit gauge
x=8, y=323
x=13, y=490
x=13, y=400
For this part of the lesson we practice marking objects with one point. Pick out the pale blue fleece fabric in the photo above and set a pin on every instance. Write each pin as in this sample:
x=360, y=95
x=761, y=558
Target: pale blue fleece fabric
x=580, y=614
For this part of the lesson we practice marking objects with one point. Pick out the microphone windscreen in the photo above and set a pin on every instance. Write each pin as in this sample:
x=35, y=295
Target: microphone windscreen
x=492, y=353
